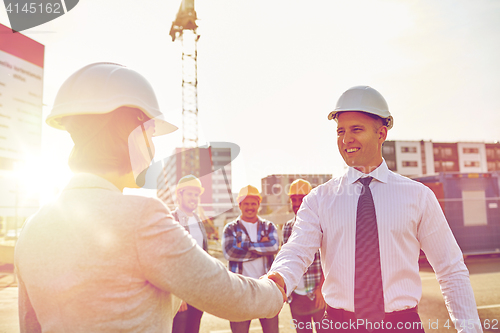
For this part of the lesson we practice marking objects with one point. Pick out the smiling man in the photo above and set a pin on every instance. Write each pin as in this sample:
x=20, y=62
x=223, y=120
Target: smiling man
x=370, y=225
x=188, y=191
x=249, y=244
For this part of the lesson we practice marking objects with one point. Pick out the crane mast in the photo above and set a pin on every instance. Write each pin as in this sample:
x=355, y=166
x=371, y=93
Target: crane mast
x=184, y=28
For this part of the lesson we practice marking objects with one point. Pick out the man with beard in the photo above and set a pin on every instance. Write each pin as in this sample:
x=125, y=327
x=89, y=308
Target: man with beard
x=188, y=191
x=249, y=244
x=306, y=301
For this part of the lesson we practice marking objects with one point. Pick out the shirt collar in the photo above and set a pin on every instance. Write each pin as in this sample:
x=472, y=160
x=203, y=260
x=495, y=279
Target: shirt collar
x=381, y=174
x=258, y=219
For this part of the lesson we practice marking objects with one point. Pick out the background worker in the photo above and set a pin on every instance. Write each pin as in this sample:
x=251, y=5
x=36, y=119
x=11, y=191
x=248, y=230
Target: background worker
x=306, y=301
x=249, y=244
x=370, y=224
x=98, y=261
x=188, y=192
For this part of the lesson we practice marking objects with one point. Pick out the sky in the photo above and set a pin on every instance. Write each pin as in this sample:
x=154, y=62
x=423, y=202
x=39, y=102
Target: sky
x=269, y=72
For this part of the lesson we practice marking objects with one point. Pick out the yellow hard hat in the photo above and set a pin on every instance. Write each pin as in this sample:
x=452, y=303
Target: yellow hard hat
x=189, y=181
x=300, y=187
x=248, y=191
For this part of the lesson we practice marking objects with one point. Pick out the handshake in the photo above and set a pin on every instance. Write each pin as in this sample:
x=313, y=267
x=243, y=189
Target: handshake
x=278, y=280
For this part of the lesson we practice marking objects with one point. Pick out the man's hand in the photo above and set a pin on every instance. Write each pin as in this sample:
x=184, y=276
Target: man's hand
x=283, y=292
x=278, y=280
x=184, y=307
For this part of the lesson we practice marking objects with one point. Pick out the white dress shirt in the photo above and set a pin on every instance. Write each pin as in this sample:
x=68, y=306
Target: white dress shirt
x=195, y=231
x=409, y=218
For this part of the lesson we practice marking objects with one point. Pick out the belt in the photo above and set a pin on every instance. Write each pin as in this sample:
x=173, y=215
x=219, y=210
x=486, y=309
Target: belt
x=342, y=314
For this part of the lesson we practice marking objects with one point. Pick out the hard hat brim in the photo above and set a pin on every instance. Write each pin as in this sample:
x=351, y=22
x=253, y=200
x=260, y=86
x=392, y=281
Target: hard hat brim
x=201, y=189
x=162, y=126
x=241, y=198
x=389, y=120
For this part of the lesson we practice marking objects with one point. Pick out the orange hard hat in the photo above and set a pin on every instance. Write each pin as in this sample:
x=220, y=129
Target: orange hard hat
x=300, y=187
x=189, y=181
x=248, y=191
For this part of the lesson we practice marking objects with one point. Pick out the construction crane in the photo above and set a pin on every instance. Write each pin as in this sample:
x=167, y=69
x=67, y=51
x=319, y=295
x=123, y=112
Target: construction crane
x=184, y=28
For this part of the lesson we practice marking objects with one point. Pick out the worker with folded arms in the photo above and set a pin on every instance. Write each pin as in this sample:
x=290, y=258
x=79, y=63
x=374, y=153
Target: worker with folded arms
x=370, y=225
x=249, y=244
x=96, y=260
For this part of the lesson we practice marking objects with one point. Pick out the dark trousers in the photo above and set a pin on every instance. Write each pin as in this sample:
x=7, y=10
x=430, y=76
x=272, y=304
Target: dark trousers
x=187, y=321
x=407, y=321
x=303, y=323
x=269, y=325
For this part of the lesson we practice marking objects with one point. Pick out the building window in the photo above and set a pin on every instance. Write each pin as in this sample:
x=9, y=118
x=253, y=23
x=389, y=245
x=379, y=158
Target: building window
x=447, y=152
x=444, y=166
x=389, y=150
x=490, y=153
x=491, y=166
x=391, y=164
x=448, y=166
x=410, y=164
x=408, y=149
x=443, y=152
x=471, y=164
x=469, y=150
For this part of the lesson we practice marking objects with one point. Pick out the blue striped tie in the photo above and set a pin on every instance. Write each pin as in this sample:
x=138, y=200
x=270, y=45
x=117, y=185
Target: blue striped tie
x=368, y=290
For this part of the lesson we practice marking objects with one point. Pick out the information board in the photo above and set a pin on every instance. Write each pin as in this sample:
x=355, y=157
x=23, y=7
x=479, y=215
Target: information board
x=21, y=90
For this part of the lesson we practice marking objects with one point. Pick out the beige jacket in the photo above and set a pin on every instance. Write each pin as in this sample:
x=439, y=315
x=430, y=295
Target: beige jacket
x=100, y=261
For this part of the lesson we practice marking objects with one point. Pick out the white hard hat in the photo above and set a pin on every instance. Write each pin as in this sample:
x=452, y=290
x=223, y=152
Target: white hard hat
x=364, y=99
x=103, y=87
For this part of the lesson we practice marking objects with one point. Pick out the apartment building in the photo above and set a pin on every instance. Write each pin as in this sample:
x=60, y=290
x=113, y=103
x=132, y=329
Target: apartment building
x=420, y=158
